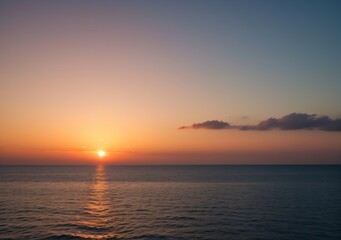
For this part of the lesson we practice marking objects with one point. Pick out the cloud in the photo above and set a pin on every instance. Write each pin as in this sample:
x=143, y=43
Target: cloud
x=212, y=124
x=296, y=121
x=293, y=121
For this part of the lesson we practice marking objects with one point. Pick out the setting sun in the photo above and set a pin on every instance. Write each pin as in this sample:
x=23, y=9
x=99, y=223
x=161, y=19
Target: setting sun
x=101, y=153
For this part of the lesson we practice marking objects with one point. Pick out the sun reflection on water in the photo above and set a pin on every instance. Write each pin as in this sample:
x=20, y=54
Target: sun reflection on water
x=96, y=221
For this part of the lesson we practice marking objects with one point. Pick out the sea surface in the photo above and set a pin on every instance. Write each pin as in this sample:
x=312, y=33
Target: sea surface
x=170, y=202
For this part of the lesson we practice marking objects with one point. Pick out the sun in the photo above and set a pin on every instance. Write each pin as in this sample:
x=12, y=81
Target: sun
x=101, y=153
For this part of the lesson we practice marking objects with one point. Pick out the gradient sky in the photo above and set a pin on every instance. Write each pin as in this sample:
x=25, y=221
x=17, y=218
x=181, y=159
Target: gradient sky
x=123, y=76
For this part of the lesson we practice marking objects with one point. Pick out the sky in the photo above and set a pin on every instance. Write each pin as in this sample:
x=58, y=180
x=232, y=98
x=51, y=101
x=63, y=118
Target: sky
x=170, y=82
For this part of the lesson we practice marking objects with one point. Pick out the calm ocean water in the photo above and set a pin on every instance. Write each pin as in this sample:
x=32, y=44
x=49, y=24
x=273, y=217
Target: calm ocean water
x=170, y=202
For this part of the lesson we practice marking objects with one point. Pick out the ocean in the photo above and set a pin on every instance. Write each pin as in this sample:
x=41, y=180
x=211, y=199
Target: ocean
x=170, y=202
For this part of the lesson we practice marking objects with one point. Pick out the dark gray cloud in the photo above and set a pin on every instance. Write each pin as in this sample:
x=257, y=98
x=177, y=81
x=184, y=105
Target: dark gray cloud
x=293, y=121
x=212, y=124
x=296, y=121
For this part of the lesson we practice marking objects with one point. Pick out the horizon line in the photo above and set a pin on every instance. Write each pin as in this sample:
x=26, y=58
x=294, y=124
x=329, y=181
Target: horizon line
x=280, y=164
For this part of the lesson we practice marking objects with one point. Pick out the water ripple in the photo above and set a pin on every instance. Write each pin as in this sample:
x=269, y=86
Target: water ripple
x=99, y=208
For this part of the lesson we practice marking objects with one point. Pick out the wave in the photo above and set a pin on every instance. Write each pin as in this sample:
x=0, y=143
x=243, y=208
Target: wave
x=64, y=237
x=154, y=237
x=81, y=236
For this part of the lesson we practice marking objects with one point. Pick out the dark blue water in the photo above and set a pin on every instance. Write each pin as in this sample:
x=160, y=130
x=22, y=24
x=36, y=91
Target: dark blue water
x=170, y=202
